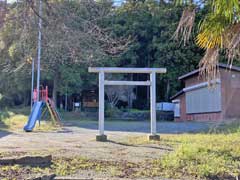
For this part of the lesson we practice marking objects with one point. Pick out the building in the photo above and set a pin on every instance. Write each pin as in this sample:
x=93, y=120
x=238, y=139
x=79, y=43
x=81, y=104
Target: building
x=197, y=101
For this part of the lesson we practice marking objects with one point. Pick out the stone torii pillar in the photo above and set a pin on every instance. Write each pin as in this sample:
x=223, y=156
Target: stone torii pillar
x=152, y=83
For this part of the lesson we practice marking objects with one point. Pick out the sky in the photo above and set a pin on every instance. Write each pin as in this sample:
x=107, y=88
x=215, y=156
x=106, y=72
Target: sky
x=116, y=1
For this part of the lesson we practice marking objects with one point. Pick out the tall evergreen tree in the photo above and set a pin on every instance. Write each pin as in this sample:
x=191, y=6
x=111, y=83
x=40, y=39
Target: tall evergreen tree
x=152, y=24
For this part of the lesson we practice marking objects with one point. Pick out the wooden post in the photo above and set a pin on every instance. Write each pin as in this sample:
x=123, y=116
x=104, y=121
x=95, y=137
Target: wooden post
x=153, y=135
x=101, y=136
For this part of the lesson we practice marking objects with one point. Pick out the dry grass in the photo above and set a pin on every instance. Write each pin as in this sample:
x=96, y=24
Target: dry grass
x=197, y=156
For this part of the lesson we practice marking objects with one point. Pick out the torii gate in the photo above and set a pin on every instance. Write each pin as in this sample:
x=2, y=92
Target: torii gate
x=152, y=83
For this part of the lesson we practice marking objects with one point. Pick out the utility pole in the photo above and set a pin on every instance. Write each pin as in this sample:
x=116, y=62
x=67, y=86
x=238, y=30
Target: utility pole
x=32, y=82
x=39, y=49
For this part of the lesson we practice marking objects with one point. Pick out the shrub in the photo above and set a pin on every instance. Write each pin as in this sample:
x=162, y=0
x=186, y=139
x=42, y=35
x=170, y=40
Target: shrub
x=110, y=111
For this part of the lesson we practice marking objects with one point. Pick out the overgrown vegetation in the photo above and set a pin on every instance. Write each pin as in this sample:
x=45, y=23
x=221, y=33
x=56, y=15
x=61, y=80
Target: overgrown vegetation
x=200, y=156
x=233, y=126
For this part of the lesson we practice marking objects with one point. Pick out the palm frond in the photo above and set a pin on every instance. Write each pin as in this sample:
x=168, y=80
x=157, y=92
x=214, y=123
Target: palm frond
x=232, y=42
x=211, y=32
x=219, y=30
x=209, y=64
x=185, y=25
x=226, y=8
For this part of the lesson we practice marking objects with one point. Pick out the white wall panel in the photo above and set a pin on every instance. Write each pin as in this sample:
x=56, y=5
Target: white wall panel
x=177, y=109
x=204, y=99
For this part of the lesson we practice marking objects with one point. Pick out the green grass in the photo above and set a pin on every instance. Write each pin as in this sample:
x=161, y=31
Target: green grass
x=232, y=126
x=135, y=110
x=14, y=119
x=69, y=166
x=200, y=156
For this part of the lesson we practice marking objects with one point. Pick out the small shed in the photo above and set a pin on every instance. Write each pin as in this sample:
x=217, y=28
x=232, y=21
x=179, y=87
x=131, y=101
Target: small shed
x=197, y=101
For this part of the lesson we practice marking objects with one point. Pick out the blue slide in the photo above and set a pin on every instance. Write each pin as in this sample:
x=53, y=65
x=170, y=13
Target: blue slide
x=34, y=116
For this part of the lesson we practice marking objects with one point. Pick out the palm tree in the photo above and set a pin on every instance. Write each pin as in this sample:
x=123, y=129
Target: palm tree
x=218, y=30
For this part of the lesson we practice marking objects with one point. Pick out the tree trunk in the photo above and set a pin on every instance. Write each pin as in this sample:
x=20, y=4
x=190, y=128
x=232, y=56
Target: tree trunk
x=161, y=2
x=167, y=90
x=26, y=98
x=66, y=102
x=129, y=94
x=129, y=98
x=55, y=87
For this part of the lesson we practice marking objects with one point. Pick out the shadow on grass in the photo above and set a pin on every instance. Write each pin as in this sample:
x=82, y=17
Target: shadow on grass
x=131, y=145
x=4, y=133
x=3, y=126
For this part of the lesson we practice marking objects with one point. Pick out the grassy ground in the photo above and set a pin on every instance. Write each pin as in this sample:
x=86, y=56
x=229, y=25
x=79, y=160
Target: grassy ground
x=70, y=166
x=200, y=156
x=14, y=119
x=213, y=155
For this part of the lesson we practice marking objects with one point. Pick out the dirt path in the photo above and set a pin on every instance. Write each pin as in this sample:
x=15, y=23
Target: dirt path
x=78, y=138
x=84, y=144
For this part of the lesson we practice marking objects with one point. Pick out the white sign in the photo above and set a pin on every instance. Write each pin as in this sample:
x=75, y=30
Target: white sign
x=77, y=104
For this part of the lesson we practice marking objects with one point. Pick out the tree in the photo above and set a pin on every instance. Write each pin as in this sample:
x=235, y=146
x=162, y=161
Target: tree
x=74, y=37
x=219, y=31
x=119, y=93
x=152, y=24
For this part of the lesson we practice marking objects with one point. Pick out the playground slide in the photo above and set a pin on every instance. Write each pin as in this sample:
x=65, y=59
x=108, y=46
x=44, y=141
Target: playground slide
x=34, y=116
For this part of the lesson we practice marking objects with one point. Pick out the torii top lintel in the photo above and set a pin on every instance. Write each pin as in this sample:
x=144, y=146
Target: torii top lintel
x=126, y=70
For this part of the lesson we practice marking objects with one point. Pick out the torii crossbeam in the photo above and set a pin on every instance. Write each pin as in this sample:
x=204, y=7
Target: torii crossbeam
x=152, y=83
